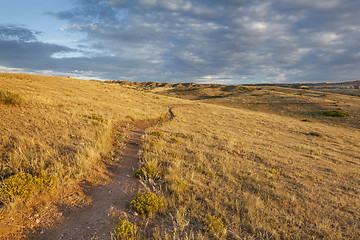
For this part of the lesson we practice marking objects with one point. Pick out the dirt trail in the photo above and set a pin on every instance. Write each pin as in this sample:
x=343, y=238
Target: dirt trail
x=93, y=222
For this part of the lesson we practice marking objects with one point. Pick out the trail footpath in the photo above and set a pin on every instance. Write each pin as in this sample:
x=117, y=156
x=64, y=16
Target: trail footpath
x=94, y=221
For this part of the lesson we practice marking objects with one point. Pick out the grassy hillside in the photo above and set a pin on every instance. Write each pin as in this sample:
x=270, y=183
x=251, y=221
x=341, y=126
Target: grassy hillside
x=296, y=103
x=292, y=100
x=234, y=163
x=60, y=128
x=265, y=176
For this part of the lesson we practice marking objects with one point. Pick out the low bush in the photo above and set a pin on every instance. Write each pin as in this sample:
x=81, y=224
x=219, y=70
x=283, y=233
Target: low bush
x=124, y=229
x=211, y=97
x=157, y=134
x=215, y=226
x=147, y=204
x=21, y=186
x=336, y=113
x=274, y=171
x=10, y=98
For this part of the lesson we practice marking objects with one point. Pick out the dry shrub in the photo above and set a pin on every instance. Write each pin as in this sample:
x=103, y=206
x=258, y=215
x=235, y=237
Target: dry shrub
x=10, y=98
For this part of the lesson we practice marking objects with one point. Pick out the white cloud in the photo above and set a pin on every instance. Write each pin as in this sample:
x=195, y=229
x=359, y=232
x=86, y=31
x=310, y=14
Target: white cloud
x=259, y=26
x=11, y=69
x=326, y=38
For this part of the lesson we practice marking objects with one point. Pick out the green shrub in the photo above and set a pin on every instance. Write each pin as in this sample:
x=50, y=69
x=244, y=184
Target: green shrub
x=210, y=97
x=274, y=171
x=22, y=185
x=10, y=98
x=147, y=172
x=157, y=134
x=215, y=226
x=124, y=229
x=147, y=204
x=336, y=113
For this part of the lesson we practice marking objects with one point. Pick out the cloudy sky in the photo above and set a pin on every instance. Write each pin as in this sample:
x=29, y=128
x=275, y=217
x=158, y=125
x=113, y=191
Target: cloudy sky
x=219, y=41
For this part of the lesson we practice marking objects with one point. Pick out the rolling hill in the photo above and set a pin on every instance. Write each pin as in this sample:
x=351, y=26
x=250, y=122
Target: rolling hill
x=231, y=162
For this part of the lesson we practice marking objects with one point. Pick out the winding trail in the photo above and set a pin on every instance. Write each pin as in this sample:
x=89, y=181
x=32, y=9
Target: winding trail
x=93, y=222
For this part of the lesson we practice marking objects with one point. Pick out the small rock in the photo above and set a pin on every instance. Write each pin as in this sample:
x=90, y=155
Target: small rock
x=128, y=176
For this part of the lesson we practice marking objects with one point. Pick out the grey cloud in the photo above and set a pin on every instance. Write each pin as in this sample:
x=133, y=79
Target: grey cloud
x=17, y=33
x=89, y=12
x=182, y=40
x=20, y=48
x=35, y=55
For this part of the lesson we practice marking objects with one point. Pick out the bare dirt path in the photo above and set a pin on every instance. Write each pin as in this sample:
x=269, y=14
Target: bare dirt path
x=93, y=221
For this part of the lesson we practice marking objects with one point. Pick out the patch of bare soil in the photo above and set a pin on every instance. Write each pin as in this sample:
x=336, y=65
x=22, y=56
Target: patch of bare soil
x=94, y=220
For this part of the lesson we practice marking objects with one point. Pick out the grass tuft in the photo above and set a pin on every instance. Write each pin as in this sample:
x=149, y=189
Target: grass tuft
x=129, y=117
x=147, y=172
x=10, y=98
x=97, y=119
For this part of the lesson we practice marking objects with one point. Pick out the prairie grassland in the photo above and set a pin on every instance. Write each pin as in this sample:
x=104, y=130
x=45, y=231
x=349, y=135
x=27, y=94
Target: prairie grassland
x=261, y=175
x=242, y=166
x=297, y=103
x=62, y=128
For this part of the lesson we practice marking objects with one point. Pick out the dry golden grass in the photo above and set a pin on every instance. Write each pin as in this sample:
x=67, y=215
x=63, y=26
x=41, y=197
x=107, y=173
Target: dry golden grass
x=226, y=171
x=262, y=174
x=64, y=124
x=63, y=128
x=298, y=103
x=301, y=104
